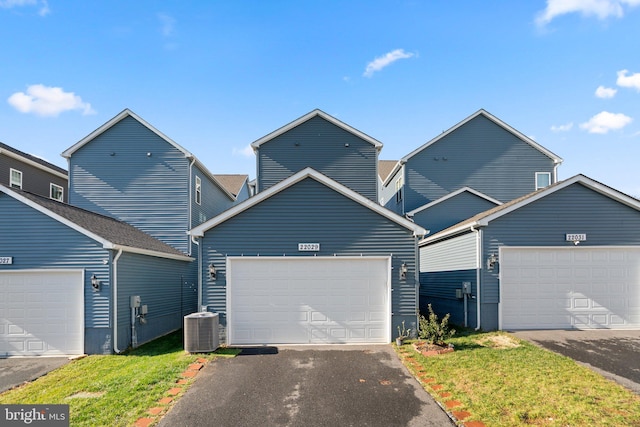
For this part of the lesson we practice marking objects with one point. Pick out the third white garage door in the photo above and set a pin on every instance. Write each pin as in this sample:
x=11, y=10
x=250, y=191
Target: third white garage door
x=577, y=287
x=302, y=300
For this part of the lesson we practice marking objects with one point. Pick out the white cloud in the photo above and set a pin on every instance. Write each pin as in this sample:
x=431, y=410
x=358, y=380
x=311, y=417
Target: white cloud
x=606, y=92
x=168, y=24
x=602, y=9
x=246, y=151
x=632, y=81
x=385, y=60
x=43, y=5
x=604, y=122
x=48, y=101
x=562, y=128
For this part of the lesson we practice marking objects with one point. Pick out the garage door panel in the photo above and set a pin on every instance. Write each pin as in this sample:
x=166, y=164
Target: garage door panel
x=329, y=300
x=583, y=287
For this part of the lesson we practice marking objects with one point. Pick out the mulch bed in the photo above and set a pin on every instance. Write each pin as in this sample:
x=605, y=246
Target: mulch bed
x=427, y=349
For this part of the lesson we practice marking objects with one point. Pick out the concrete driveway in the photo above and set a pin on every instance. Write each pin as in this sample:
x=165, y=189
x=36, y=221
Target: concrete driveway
x=307, y=386
x=613, y=354
x=18, y=370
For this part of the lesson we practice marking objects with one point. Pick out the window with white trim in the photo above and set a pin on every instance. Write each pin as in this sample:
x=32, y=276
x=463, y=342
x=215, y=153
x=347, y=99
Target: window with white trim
x=56, y=192
x=543, y=179
x=15, y=178
x=399, y=187
x=198, y=193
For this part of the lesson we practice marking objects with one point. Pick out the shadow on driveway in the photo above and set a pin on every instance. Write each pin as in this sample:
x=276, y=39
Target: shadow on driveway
x=15, y=371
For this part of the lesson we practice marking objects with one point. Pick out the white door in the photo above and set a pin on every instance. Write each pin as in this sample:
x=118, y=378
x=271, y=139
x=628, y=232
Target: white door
x=576, y=287
x=302, y=300
x=41, y=313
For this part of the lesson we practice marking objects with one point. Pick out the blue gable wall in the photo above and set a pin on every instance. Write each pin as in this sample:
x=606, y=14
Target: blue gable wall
x=114, y=176
x=311, y=212
x=321, y=145
x=479, y=154
x=214, y=199
x=451, y=211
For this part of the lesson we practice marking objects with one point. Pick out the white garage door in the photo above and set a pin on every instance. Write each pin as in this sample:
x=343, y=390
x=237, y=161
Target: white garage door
x=301, y=300
x=41, y=313
x=577, y=287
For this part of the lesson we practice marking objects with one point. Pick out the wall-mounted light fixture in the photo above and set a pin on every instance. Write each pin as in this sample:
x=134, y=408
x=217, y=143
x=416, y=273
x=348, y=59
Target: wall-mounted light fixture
x=403, y=271
x=212, y=272
x=492, y=260
x=95, y=283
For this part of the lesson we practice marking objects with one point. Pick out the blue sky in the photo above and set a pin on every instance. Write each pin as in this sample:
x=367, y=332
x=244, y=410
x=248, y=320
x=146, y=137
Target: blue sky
x=214, y=76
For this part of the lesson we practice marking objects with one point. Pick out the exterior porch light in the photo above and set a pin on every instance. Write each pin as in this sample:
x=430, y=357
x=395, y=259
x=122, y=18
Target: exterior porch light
x=403, y=271
x=95, y=283
x=492, y=260
x=212, y=272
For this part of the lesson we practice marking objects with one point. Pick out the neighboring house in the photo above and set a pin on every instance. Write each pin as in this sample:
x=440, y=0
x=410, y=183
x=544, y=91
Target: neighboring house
x=67, y=278
x=566, y=256
x=481, y=154
x=129, y=170
x=324, y=143
x=24, y=171
x=309, y=261
x=236, y=184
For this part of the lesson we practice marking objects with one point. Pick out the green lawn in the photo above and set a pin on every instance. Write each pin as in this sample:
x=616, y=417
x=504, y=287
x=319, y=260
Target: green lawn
x=504, y=381
x=112, y=390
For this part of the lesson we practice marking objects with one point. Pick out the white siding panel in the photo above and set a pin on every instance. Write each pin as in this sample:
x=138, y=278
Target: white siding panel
x=459, y=253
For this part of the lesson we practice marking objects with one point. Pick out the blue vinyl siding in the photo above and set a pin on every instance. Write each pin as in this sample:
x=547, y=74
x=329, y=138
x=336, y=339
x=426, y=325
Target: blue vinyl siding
x=320, y=144
x=167, y=287
x=114, y=176
x=34, y=180
x=311, y=212
x=388, y=197
x=481, y=155
x=439, y=290
x=214, y=200
x=451, y=211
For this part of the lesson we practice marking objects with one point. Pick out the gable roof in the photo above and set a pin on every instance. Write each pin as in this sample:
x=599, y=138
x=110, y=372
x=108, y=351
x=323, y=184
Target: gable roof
x=109, y=232
x=556, y=159
x=315, y=113
x=454, y=194
x=307, y=173
x=128, y=113
x=33, y=161
x=385, y=167
x=232, y=182
x=483, y=219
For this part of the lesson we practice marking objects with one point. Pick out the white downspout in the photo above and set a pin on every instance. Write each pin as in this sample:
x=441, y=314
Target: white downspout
x=193, y=160
x=195, y=240
x=478, y=274
x=115, y=301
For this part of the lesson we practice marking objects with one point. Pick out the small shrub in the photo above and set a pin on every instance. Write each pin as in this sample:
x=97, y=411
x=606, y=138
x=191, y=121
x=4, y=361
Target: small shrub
x=434, y=331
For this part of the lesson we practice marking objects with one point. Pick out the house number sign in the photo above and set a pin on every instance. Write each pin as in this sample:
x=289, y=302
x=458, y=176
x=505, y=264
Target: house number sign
x=308, y=247
x=576, y=237
x=6, y=260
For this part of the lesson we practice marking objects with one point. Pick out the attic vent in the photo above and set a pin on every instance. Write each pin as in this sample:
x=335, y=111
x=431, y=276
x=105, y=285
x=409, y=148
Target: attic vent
x=201, y=332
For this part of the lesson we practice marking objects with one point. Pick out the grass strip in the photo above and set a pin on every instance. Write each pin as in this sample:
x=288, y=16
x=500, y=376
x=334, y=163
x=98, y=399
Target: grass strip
x=113, y=390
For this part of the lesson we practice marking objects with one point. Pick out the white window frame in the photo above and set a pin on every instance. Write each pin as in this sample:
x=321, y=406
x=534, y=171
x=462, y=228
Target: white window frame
x=53, y=186
x=13, y=183
x=399, y=188
x=548, y=174
x=198, y=191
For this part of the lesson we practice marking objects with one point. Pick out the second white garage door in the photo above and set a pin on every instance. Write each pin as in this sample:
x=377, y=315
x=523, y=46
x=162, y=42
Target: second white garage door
x=41, y=312
x=564, y=288
x=302, y=300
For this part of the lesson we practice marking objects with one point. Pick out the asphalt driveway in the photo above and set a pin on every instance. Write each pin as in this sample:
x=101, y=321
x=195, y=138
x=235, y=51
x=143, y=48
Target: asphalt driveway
x=17, y=370
x=613, y=354
x=307, y=386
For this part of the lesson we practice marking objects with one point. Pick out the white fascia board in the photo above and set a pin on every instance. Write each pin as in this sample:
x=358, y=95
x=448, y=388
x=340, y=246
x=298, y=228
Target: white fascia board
x=466, y=227
x=303, y=174
x=105, y=243
x=123, y=114
x=393, y=172
x=256, y=144
x=453, y=194
x=556, y=159
x=151, y=253
x=34, y=164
